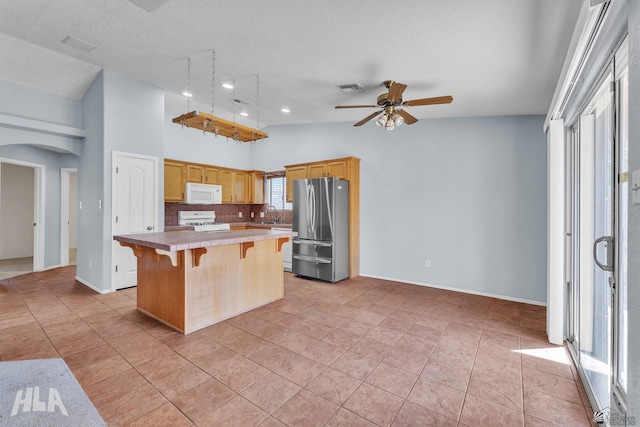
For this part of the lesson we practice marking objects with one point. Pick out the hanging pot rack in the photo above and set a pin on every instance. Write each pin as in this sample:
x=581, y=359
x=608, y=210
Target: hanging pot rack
x=216, y=125
x=208, y=123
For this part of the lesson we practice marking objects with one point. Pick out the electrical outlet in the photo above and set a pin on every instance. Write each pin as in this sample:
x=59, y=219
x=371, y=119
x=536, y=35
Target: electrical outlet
x=251, y=214
x=427, y=263
x=239, y=214
x=261, y=214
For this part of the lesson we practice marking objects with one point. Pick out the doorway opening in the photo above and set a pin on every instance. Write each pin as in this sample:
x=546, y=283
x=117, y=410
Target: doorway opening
x=21, y=218
x=68, y=215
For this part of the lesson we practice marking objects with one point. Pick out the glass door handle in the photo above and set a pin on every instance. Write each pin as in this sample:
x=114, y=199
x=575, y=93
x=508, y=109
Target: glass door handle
x=608, y=266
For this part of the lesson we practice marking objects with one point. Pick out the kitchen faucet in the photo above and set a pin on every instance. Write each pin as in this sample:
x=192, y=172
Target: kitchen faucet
x=275, y=213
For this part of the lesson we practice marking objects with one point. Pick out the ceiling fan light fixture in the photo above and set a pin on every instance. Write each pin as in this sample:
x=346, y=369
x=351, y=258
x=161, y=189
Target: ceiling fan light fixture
x=382, y=121
x=397, y=119
x=389, y=125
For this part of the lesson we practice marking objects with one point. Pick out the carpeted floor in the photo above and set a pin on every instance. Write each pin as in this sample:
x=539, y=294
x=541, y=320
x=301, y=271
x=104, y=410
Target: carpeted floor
x=43, y=392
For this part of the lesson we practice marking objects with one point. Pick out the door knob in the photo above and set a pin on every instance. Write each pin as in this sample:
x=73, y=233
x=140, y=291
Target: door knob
x=150, y=227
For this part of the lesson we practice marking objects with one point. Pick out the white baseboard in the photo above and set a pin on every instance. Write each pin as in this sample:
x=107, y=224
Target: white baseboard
x=90, y=285
x=51, y=267
x=464, y=291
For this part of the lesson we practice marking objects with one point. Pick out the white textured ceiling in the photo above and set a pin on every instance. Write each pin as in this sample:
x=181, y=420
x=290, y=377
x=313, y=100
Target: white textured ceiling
x=495, y=57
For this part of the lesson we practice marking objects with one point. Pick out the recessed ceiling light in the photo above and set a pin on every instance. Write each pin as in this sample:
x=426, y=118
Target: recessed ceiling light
x=78, y=43
x=285, y=110
x=227, y=85
x=149, y=5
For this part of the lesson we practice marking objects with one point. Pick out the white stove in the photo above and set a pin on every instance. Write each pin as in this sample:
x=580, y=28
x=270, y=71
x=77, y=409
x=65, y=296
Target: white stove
x=201, y=221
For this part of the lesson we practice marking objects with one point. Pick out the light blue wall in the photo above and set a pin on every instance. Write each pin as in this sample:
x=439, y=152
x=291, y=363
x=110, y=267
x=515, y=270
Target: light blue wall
x=469, y=194
x=21, y=144
x=90, y=259
x=34, y=104
x=52, y=163
x=119, y=114
x=192, y=145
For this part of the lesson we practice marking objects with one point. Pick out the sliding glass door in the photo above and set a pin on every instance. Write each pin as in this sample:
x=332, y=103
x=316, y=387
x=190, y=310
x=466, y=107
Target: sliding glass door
x=596, y=326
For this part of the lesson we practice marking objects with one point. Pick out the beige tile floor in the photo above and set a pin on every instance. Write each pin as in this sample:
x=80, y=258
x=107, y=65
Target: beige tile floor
x=19, y=266
x=362, y=352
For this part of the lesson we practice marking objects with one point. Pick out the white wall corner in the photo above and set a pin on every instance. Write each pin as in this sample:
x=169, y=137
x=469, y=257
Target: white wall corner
x=555, y=231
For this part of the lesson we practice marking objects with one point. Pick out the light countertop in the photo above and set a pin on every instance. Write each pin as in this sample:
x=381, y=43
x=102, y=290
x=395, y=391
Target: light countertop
x=187, y=239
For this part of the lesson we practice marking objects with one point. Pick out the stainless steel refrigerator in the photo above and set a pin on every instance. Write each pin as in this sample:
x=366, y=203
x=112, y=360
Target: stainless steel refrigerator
x=321, y=218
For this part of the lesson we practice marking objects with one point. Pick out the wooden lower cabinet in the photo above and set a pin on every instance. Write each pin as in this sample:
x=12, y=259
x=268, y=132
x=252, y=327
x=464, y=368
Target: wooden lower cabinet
x=194, y=288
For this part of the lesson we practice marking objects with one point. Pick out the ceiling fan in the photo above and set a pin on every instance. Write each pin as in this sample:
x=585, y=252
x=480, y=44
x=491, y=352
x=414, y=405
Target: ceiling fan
x=389, y=102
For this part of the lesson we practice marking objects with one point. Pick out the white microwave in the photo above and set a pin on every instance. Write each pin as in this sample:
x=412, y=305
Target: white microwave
x=202, y=194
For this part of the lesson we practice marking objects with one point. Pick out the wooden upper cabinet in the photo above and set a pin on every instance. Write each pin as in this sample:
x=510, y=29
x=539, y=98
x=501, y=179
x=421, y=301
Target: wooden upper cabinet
x=211, y=175
x=195, y=173
x=338, y=168
x=256, y=187
x=238, y=186
x=241, y=180
x=174, y=179
x=316, y=171
x=293, y=173
x=227, y=179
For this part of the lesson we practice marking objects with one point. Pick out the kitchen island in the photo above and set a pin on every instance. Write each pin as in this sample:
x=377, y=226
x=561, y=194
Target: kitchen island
x=190, y=280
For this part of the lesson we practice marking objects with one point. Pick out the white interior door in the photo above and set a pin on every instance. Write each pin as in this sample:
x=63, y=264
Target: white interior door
x=135, y=209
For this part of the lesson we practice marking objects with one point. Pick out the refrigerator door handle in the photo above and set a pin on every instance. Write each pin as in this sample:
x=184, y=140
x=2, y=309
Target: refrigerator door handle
x=312, y=259
x=312, y=209
x=312, y=242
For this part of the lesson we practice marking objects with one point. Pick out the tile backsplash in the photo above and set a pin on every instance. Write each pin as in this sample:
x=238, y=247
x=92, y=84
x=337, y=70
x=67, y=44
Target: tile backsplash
x=226, y=213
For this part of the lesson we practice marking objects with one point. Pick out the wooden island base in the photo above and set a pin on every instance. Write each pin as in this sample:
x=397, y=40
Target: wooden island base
x=190, y=289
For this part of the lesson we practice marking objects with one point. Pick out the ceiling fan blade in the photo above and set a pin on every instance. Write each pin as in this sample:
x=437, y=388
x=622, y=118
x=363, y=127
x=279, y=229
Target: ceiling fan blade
x=357, y=106
x=408, y=118
x=428, y=101
x=369, y=117
x=395, y=91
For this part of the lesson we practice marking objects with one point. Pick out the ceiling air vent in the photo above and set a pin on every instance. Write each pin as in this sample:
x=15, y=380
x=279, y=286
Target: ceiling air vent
x=351, y=88
x=78, y=43
x=239, y=101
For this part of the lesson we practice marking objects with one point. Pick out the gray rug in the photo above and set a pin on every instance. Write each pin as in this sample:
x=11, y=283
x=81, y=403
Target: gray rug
x=43, y=393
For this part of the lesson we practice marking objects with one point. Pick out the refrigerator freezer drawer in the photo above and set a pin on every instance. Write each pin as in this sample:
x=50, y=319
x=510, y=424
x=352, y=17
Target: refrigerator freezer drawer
x=312, y=248
x=312, y=259
x=314, y=267
x=313, y=242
